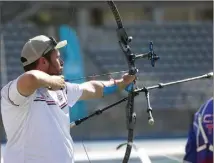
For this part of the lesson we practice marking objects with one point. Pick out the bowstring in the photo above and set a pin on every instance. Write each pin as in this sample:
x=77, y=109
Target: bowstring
x=86, y=151
x=72, y=15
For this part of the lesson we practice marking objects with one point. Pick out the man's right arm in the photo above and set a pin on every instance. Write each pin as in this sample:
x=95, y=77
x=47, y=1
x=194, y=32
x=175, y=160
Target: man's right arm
x=32, y=80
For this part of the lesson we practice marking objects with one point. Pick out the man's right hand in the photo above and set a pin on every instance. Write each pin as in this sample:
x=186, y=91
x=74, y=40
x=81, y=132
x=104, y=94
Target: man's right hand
x=34, y=79
x=57, y=82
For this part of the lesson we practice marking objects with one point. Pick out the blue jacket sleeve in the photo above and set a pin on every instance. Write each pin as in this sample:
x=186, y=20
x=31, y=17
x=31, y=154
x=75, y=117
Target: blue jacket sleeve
x=190, y=150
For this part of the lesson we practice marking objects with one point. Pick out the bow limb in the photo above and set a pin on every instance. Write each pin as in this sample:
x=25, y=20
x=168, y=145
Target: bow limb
x=131, y=119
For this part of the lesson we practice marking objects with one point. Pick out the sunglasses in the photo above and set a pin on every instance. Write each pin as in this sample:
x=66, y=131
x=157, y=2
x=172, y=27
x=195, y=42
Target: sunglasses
x=51, y=46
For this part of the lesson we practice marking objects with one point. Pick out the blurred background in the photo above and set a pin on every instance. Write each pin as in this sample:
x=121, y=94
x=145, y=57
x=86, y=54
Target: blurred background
x=182, y=34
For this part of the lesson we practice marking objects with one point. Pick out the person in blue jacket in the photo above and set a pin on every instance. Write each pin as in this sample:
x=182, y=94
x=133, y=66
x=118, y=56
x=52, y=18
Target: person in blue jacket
x=199, y=147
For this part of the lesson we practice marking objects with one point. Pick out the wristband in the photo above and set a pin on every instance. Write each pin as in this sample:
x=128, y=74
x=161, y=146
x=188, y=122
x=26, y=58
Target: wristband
x=129, y=87
x=110, y=89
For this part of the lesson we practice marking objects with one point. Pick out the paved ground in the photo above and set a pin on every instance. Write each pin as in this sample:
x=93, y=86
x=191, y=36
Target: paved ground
x=159, y=151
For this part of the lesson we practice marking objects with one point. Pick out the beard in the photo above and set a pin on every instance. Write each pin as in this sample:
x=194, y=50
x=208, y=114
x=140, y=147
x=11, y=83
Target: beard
x=53, y=70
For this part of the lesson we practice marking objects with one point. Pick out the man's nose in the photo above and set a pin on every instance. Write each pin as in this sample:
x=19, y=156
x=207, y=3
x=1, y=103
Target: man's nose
x=61, y=62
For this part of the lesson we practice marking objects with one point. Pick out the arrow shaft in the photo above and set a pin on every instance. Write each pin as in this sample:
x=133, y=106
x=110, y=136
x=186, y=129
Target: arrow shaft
x=97, y=75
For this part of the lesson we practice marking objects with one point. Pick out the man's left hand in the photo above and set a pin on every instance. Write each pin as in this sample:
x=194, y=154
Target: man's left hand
x=127, y=79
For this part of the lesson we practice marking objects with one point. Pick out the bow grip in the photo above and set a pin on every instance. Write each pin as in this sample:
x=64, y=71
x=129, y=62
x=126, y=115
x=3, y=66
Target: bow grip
x=133, y=71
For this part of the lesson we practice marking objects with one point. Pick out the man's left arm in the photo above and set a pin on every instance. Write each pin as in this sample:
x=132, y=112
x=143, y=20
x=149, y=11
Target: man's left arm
x=98, y=89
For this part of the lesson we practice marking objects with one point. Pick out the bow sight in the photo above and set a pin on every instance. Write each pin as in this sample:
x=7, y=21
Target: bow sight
x=124, y=41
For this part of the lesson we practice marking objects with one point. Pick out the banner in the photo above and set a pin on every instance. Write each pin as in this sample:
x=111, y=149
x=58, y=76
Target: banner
x=73, y=66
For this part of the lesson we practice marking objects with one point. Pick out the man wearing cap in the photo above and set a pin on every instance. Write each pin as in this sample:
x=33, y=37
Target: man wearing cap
x=35, y=105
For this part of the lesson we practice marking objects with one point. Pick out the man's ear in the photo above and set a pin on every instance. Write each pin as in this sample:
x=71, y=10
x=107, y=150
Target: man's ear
x=43, y=61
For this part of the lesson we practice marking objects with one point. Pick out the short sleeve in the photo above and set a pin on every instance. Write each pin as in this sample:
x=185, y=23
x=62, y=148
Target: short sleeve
x=11, y=93
x=74, y=92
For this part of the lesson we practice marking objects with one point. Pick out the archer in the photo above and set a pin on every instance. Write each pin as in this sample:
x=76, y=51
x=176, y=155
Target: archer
x=35, y=105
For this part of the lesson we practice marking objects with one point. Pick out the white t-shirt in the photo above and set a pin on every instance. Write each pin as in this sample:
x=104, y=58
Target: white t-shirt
x=38, y=126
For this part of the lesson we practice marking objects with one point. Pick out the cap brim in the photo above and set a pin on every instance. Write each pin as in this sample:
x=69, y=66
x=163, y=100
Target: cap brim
x=61, y=44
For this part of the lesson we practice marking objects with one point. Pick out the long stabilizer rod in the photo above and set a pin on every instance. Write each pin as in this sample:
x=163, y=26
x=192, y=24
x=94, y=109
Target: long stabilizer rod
x=161, y=85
